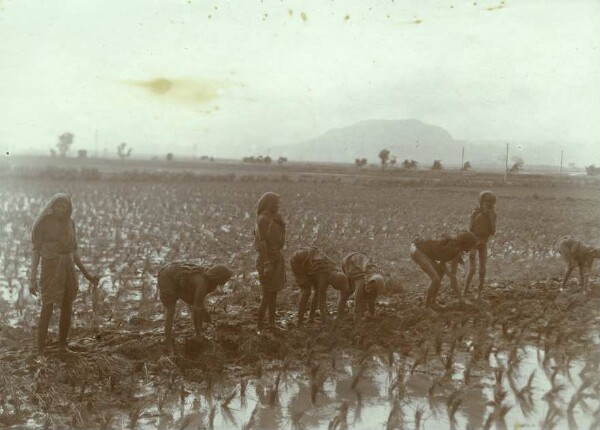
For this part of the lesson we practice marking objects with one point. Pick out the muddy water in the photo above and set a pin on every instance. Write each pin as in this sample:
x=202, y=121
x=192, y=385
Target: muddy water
x=383, y=395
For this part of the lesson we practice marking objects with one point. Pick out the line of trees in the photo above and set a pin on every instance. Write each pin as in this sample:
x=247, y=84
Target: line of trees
x=387, y=159
x=360, y=162
x=264, y=159
x=65, y=141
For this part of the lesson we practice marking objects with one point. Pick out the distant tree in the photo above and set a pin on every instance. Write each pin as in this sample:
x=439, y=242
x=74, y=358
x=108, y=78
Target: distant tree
x=437, y=165
x=466, y=166
x=384, y=156
x=65, y=141
x=360, y=162
x=409, y=164
x=204, y=158
x=122, y=152
x=211, y=159
x=282, y=160
x=170, y=156
x=260, y=159
x=52, y=153
x=393, y=161
x=592, y=170
x=518, y=164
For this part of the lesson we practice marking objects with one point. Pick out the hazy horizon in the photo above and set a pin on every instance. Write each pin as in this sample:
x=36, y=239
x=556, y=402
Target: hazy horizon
x=229, y=79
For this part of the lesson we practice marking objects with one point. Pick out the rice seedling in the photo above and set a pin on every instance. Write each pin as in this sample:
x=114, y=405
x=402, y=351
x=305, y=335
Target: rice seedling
x=228, y=417
x=243, y=386
x=438, y=345
x=488, y=352
x=553, y=416
x=453, y=403
x=358, y=408
x=209, y=383
x=596, y=421
x=252, y=418
x=551, y=395
x=467, y=372
x=135, y=412
x=420, y=360
x=211, y=416
x=448, y=362
x=316, y=386
x=187, y=421
x=514, y=360
x=578, y=396
x=487, y=425
x=432, y=387
x=228, y=398
x=314, y=369
x=341, y=418
x=296, y=417
x=273, y=395
x=501, y=416
x=419, y=413
x=394, y=420
x=356, y=377
x=527, y=390
x=398, y=382
x=390, y=357
x=182, y=393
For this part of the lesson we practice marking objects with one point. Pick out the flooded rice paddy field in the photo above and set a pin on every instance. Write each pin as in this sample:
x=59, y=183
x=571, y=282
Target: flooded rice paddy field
x=528, y=357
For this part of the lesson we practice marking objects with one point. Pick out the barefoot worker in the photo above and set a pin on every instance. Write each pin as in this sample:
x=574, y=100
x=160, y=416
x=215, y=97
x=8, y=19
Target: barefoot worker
x=483, y=225
x=55, y=244
x=190, y=283
x=269, y=240
x=577, y=254
x=314, y=272
x=364, y=280
x=432, y=256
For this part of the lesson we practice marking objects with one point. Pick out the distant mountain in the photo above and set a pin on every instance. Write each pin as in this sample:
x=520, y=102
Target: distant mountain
x=413, y=139
x=404, y=138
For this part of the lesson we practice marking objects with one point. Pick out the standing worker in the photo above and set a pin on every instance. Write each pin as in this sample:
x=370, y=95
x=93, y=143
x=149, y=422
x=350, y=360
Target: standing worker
x=483, y=225
x=269, y=240
x=55, y=244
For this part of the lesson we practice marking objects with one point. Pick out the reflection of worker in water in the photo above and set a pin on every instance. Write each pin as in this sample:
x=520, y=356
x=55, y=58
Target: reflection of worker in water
x=314, y=272
x=474, y=406
x=432, y=256
x=55, y=244
x=364, y=281
x=483, y=225
x=190, y=283
x=270, y=416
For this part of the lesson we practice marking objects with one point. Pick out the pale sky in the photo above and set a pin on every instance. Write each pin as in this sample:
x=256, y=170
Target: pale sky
x=165, y=75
